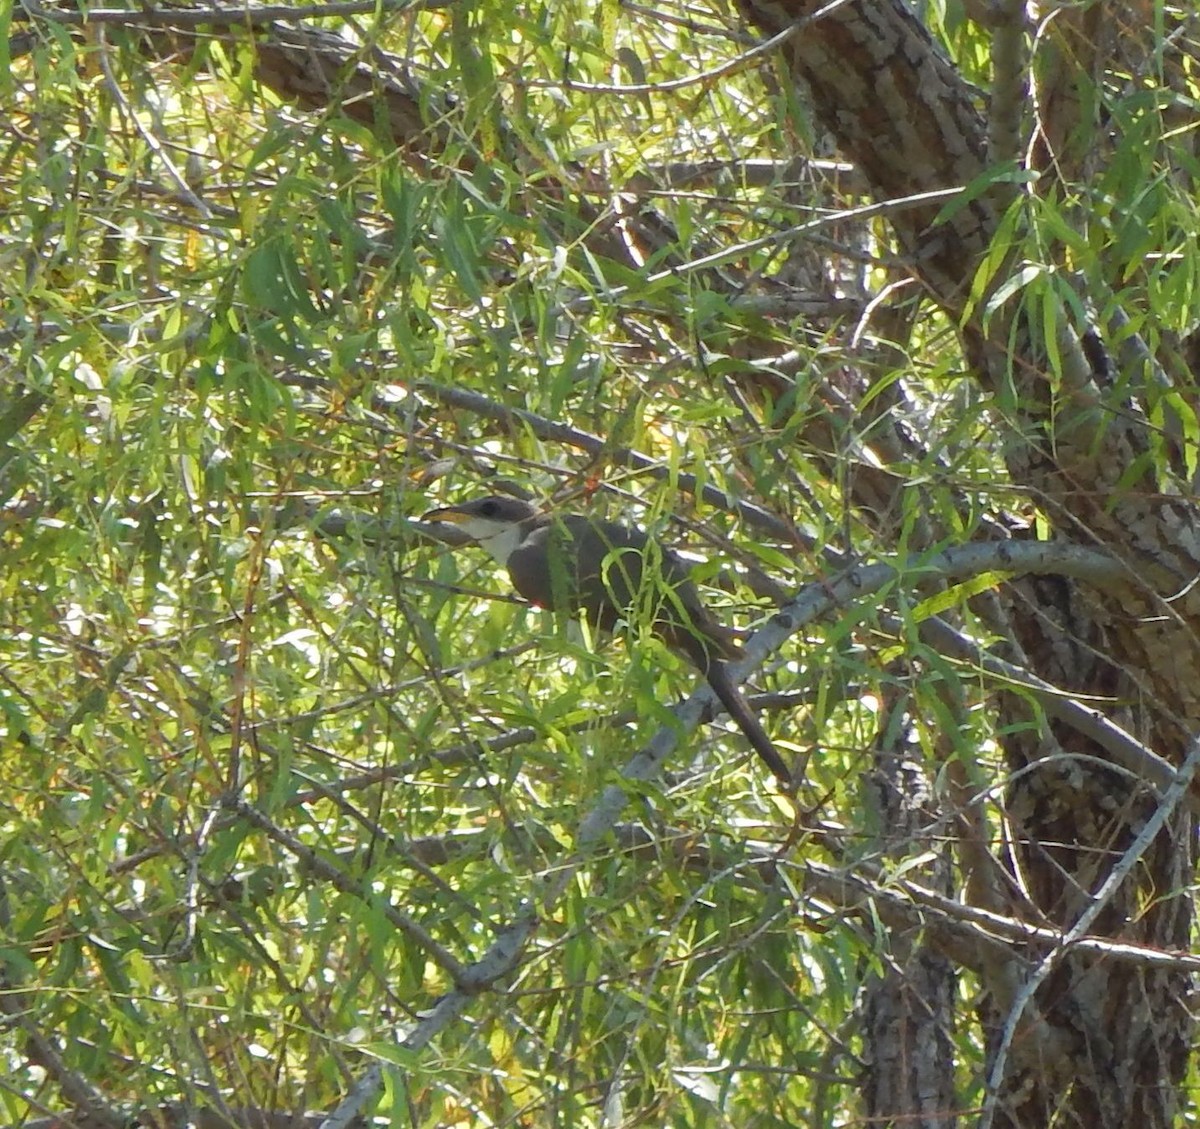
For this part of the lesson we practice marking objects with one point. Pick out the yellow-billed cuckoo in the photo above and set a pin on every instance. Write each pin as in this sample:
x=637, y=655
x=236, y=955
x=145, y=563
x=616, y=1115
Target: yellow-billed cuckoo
x=606, y=572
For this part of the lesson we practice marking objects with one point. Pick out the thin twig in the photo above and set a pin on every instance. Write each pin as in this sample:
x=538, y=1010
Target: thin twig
x=1171, y=801
x=221, y=15
x=155, y=146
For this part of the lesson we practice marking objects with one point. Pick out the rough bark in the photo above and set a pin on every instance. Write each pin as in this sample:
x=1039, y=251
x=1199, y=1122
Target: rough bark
x=908, y=1007
x=1106, y=1046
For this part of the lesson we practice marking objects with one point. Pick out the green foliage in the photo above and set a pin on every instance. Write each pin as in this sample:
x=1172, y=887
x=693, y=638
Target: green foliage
x=217, y=428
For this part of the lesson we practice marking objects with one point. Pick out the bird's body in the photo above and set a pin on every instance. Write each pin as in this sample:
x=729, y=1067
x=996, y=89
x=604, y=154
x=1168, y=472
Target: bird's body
x=609, y=572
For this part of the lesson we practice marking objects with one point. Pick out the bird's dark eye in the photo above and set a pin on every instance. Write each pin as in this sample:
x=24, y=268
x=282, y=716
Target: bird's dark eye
x=489, y=508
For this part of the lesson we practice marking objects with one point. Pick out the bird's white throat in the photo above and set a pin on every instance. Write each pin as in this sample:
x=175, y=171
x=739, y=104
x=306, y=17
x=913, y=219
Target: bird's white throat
x=500, y=541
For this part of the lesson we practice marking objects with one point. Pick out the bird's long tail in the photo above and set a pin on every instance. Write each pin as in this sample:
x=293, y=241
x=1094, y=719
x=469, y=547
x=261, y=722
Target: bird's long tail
x=719, y=679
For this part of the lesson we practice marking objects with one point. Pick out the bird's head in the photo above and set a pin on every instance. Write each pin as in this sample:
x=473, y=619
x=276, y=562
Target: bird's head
x=495, y=522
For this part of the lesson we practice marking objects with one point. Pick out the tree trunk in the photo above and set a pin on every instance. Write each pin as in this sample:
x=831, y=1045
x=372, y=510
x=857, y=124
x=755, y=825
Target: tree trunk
x=1102, y=1044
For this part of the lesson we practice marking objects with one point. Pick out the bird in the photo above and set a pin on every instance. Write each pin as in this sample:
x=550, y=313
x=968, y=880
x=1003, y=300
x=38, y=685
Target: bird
x=607, y=572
